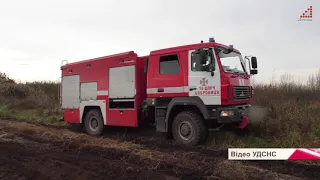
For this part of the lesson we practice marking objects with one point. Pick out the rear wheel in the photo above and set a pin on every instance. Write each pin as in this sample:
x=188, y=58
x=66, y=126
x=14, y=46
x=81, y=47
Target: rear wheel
x=188, y=128
x=93, y=122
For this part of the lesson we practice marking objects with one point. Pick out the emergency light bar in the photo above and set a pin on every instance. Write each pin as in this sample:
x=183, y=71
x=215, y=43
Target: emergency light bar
x=211, y=39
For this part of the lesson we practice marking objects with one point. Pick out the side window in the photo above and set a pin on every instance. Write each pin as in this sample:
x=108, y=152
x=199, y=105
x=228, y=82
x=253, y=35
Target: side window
x=169, y=64
x=200, y=62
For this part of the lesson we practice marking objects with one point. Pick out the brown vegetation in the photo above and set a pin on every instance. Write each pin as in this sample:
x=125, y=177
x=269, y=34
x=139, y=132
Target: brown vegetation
x=284, y=114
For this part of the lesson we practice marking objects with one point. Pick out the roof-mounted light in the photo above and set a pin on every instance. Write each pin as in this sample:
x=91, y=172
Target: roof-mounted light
x=231, y=46
x=211, y=39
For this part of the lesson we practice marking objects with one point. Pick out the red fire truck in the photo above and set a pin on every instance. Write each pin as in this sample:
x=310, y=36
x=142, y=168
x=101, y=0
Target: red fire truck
x=184, y=91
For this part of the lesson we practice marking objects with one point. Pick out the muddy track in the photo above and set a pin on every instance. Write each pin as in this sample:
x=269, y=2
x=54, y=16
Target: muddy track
x=33, y=151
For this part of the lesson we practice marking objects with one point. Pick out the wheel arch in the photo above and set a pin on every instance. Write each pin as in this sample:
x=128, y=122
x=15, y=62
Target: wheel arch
x=179, y=104
x=86, y=106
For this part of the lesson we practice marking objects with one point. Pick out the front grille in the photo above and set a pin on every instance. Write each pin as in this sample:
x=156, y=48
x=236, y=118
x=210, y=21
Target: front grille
x=241, y=93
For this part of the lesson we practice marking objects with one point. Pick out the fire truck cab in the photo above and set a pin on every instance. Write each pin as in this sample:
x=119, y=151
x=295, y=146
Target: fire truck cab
x=185, y=91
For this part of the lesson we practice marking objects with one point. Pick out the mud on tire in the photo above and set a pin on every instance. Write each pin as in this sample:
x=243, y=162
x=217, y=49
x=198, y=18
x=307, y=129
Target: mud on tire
x=93, y=123
x=189, y=129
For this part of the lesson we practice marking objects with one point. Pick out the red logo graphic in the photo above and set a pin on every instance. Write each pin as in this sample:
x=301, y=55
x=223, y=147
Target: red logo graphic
x=307, y=15
x=204, y=81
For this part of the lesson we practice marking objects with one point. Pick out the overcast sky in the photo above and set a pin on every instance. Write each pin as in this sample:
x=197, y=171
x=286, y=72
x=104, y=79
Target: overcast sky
x=35, y=35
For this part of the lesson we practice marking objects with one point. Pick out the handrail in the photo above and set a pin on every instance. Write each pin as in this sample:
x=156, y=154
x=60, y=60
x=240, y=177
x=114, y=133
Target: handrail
x=59, y=90
x=64, y=61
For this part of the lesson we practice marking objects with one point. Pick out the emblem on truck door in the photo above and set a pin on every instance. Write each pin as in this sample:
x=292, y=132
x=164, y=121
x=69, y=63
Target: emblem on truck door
x=204, y=81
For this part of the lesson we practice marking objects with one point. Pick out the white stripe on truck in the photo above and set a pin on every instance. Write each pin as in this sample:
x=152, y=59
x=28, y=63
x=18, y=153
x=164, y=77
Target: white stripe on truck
x=181, y=89
x=103, y=93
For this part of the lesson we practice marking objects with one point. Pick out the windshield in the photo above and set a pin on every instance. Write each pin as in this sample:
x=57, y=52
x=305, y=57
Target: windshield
x=231, y=62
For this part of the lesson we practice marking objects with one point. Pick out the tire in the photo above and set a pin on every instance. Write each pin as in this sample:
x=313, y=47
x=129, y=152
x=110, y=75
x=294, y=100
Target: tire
x=93, y=123
x=189, y=120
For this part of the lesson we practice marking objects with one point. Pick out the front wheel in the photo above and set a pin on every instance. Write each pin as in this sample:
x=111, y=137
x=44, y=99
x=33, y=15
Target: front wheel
x=188, y=128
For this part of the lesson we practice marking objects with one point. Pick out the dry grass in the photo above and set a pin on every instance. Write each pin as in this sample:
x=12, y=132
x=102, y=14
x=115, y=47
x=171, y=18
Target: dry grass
x=291, y=120
x=238, y=170
x=285, y=114
x=35, y=101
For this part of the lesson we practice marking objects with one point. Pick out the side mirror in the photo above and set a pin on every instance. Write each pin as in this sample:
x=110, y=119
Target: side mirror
x=253, y=71
x=254, y=63
x=212, y=73
x=210, y=68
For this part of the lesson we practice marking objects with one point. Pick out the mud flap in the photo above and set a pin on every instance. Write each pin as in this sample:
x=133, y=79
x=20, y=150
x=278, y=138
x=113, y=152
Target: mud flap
x=244, y=123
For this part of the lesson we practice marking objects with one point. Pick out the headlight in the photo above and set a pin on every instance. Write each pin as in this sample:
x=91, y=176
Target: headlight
x=227, y=113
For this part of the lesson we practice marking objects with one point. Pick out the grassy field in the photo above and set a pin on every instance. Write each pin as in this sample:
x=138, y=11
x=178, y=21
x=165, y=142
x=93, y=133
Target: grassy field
x=292, y=120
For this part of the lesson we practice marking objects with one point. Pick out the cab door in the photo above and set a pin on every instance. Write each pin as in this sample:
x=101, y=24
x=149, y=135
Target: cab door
x=167, y=78
x=201, y=83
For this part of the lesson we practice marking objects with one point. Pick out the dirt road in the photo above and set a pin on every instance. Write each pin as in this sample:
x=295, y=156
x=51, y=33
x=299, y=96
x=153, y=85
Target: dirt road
x=33, y=151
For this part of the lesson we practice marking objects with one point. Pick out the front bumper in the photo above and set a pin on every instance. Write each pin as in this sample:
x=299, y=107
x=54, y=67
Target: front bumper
x=239, y=112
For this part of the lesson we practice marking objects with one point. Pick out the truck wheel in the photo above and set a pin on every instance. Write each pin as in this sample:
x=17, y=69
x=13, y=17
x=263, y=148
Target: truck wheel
x=93, y=123
x=188, y=128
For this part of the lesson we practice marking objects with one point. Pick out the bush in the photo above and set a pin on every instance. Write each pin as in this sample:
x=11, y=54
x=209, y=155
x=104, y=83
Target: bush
x=293, y=119
x=30, y=95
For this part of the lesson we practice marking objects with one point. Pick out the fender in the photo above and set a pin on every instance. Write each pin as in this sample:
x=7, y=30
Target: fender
x=186, y=101
x=99, y=103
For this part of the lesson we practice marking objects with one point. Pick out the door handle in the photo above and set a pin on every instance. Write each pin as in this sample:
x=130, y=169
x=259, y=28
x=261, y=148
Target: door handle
x=160, y=90
x=192, y=88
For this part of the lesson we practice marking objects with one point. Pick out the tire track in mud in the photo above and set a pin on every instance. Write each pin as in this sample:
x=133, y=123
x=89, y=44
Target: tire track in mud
x=306, y=171
x=145, y=165
x=124, y=163
x=48, y=164
x=282, y=167
x=38, y=157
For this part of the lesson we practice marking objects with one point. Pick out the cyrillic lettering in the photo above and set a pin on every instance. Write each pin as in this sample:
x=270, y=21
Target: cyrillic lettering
x=256, y=154
x=264, y=154
x=269, y=154
x=233, y=154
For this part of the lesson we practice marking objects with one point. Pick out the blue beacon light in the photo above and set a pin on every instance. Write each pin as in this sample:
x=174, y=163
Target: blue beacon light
x=231, y=46
x=211, y=39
